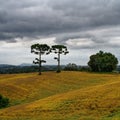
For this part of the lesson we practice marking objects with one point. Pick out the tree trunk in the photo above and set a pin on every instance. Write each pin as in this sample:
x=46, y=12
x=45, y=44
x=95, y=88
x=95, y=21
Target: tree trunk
x=40, y=63
x=59, y=70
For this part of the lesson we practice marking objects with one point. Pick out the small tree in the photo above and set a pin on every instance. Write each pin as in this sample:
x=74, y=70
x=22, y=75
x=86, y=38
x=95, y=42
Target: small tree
x=3, y=101
x=59, y=49
x=71, y=67
x=40, y=49
x=102, y=62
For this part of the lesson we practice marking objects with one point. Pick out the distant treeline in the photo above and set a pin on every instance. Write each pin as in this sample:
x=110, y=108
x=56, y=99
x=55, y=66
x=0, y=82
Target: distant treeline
x=10, y=69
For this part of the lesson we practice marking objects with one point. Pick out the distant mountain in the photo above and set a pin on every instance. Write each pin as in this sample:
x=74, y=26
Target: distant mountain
x=6, y=65
x=26, y=64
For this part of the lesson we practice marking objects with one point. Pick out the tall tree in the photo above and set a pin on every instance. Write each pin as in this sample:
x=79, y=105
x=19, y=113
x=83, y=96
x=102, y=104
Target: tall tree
x=40, y=49
x=103, y=62
x=59, y=49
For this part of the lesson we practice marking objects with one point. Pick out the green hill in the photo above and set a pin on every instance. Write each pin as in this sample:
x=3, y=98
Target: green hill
x=64, y=96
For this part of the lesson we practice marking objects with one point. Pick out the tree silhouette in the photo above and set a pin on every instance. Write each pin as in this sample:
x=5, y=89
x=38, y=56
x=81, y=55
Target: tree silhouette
x=59, y=49
x=40, y=49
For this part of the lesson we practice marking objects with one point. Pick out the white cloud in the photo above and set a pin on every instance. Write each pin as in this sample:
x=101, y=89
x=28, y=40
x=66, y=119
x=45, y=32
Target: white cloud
x=115, y=41
x=80, y=42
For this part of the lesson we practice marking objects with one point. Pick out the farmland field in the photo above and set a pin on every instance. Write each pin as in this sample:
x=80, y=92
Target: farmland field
x=64, y=96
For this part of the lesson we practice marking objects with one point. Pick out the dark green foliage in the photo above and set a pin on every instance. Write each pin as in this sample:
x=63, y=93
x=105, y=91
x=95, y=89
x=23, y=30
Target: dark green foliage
x=3, y=101
x=59, y=49
x=84, y=68
x=103, y=62
x=71, y=67
x=40, y=49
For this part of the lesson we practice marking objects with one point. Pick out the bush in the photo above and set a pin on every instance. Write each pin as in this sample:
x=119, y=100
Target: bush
x=3, y=101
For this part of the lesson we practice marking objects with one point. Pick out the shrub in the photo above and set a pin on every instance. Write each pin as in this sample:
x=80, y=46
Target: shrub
x=3, y=101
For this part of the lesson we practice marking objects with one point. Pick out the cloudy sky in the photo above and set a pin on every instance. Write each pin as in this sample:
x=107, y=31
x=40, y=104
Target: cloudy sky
x=85, y=27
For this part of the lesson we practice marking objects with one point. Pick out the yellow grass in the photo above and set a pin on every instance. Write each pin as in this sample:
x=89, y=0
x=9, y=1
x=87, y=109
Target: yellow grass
x=64, y=96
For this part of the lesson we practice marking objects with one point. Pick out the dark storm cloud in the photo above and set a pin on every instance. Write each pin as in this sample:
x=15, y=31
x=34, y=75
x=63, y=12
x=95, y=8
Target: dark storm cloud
x=65, y=19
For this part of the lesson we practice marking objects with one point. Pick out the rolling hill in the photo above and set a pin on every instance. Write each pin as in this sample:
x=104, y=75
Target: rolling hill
x=64, y=96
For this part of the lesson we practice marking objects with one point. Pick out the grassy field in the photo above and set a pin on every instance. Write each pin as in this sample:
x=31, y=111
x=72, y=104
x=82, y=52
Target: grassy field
x=64, y=96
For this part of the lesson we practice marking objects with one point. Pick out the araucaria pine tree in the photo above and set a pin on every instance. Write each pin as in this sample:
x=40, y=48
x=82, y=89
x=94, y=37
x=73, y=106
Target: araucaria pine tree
x=59, y=49
x=40, y=49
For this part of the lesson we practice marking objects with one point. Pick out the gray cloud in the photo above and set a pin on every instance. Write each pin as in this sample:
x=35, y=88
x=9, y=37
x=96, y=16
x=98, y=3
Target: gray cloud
x=31, y=18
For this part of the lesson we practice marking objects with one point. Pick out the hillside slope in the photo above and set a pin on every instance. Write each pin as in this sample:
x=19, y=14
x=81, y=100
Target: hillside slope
x=65, y=96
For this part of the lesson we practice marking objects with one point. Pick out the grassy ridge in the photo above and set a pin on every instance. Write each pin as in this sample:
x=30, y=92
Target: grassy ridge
x=65, y=96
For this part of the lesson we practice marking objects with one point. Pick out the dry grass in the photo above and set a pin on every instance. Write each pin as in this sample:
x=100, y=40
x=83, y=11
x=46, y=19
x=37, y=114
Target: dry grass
x=65, y=96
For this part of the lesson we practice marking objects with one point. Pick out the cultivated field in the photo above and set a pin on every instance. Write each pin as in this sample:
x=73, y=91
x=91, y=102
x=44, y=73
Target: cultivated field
x=64, y=96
